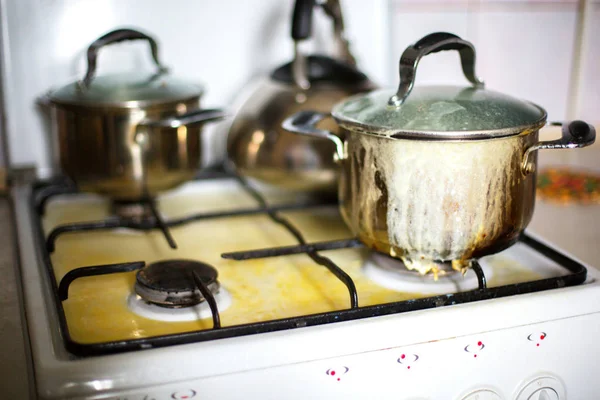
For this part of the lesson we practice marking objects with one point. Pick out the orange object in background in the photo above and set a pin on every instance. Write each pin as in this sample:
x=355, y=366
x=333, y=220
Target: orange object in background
x=566, y=186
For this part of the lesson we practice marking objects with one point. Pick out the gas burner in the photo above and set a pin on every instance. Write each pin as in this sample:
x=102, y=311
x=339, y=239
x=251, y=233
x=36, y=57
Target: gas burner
x=140, y=212
x=391, y=273
x=133, y=210
x=171, y=284
x=181, y=314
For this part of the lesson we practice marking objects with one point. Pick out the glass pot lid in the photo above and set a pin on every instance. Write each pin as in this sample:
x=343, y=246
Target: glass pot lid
x=438, y=112
x=126, y=89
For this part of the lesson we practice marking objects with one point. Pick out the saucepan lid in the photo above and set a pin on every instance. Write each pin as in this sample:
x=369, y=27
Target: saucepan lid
x=139, y=89
x=439, y=112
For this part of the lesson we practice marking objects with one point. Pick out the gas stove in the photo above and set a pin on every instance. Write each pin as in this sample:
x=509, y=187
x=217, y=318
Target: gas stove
x=225, y=288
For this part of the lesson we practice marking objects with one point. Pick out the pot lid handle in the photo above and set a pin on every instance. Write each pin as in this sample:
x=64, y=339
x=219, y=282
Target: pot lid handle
x=433, y=43
x=118, y=35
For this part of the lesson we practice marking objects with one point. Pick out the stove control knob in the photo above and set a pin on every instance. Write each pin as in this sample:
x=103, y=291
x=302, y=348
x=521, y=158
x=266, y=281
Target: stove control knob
x=544, y=394
x=184, y=394
x=542, y=388
x=482, y=394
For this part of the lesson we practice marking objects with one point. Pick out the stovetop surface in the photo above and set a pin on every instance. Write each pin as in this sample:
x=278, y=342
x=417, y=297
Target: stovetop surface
x=99, y=308
x=503, y=316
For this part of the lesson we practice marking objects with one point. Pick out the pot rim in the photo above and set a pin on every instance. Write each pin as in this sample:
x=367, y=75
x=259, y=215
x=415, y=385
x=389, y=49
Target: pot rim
x=470, y=135
x=123, y=105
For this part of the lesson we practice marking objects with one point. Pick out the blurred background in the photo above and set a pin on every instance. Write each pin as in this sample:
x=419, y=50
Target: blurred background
x=544, y=51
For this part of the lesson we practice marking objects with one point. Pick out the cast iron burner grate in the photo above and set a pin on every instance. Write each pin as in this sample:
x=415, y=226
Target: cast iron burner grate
x=139, y=215
x=65, y=187
x=43, y=191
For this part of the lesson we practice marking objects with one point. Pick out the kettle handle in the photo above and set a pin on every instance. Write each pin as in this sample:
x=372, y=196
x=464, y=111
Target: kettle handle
x=334, y=10
x=433, y=43
x=302, y=21
x=118, y=35
x=302, y=24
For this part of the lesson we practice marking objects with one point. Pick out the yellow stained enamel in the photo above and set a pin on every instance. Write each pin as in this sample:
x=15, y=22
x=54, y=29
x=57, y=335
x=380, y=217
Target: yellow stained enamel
x=263, y=289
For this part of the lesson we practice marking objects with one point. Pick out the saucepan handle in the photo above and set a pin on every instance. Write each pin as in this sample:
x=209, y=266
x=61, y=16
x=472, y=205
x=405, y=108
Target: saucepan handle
x=190, y=118
x=433, y=43
x=118, y=35
x=304, y=123
x=575, y=134
x=142, y=136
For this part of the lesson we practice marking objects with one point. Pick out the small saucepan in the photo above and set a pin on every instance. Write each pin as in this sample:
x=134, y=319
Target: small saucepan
x=129, y=136
x=438, y=175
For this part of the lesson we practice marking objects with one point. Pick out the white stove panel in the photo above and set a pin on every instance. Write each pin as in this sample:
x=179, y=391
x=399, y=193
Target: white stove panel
x=550, y=359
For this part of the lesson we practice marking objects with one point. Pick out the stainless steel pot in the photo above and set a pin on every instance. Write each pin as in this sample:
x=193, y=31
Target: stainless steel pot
x=258, y=146
x=129, y=136
x=442, y=174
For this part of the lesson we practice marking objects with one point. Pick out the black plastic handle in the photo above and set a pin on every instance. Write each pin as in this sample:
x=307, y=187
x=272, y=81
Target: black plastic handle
x=574, y=135
x=302, y=19
x=580, y=130
x=116, y=36
x=435, y=38
x=429, y=44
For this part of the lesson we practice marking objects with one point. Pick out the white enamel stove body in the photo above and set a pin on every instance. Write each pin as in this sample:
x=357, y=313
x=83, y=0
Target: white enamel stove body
x=540, y=346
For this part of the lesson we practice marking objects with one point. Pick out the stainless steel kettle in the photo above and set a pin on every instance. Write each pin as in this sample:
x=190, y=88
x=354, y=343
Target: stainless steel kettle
x=257, y=145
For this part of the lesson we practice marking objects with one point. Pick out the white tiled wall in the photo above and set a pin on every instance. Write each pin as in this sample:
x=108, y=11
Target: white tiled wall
x=525, y=48
x=588, y=94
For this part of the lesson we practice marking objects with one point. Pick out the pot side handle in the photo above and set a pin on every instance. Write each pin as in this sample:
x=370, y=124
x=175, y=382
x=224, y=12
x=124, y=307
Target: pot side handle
x=304, y=123
x=432, y=43
x=116, y=36
x=575, y=134
x=190, y=118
